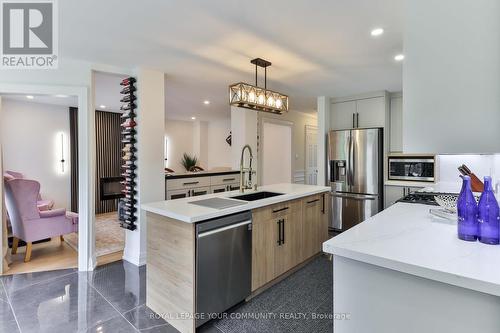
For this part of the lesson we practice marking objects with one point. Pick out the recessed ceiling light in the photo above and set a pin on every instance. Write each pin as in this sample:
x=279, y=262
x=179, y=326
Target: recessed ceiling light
x=399, y=57
x=102, y=106
x=30, y=96
x=207, y=102
x=62, y=96
x=377, y=32
x=193, y=118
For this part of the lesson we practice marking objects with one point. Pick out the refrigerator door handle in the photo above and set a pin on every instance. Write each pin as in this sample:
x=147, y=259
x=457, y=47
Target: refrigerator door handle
x=353, y=196
x=351, y=160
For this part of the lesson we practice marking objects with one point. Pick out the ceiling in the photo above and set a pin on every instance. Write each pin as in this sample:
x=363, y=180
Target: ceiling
x=317, y=47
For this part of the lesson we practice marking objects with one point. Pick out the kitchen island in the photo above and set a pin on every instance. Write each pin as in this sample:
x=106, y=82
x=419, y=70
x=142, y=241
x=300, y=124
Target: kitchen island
x=403, y=270
x=286, y=230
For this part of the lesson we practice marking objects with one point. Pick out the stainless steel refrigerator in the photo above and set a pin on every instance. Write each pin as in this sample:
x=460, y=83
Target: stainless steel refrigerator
x=355, y=171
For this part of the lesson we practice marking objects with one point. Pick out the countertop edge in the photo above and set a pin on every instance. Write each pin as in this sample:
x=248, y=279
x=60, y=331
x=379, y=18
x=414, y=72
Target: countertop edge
x=249, y=206
x=201, y=174
x=424, y=272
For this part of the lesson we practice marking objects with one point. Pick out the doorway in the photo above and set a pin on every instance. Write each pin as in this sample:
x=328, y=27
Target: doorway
x=311, y=155
x=36, y=182
x=276, y=151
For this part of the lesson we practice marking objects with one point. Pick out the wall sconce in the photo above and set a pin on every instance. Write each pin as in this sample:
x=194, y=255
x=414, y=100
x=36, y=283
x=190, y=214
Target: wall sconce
x=165, y=152
x=61, y=152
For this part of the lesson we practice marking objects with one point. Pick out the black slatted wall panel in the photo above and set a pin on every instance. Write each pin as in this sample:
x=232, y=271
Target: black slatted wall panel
x=108, y=155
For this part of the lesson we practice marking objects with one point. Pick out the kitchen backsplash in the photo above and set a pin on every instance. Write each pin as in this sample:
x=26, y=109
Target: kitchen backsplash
x=481, y=165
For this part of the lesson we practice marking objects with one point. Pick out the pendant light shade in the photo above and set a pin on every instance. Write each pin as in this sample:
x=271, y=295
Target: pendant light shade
x=256, y=98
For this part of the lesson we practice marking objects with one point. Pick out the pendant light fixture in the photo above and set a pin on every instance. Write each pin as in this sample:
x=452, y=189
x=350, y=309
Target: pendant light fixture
x=253, y=97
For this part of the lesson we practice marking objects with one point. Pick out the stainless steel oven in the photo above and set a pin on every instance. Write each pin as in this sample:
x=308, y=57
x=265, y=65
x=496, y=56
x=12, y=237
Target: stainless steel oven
x=412, y=168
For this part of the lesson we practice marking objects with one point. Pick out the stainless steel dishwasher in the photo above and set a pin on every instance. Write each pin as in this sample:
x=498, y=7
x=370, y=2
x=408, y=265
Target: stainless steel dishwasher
x=223, y=263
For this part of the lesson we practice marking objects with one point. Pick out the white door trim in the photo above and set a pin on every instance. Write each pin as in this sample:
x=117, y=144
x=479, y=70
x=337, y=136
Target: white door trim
x=86, y=164
x=306, y=155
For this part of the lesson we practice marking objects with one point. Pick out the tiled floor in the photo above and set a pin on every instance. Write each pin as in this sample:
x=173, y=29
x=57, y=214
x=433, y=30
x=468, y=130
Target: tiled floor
x=112, y=299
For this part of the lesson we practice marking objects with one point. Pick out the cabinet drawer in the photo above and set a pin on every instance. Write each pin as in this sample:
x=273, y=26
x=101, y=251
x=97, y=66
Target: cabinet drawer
x=224, y=179
x=177, y=194
x=185, y=183
x=272, y=212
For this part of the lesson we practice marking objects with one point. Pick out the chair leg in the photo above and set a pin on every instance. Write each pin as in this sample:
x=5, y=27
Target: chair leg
x=27, y=256
x=15, y=243
x=62, y=238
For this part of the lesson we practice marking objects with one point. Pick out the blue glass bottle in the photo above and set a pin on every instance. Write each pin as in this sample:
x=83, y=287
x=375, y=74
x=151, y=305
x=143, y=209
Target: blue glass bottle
x=467, y=213
x=488, y=215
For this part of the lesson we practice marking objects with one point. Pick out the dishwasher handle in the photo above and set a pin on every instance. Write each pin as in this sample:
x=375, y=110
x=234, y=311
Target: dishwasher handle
x=231, y=226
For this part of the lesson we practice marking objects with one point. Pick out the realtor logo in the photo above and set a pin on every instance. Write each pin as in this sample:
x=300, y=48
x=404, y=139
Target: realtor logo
x=29, y=34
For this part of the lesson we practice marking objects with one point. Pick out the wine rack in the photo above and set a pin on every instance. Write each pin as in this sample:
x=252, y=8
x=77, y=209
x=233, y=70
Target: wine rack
x=129, y=168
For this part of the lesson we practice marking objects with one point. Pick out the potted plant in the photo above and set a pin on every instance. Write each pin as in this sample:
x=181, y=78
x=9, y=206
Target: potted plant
x=188, y=161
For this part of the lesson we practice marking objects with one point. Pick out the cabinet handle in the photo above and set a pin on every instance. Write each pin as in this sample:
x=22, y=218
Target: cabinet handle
x=282, y=231
x=323, y=208
x=310, y=202
x=353, y=120
x=357, y=119
x=190, y=183
x=278, y=223
x=280, y=210
x=228, y=179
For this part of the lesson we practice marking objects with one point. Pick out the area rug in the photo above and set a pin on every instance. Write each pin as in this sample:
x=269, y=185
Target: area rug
x=109, y=236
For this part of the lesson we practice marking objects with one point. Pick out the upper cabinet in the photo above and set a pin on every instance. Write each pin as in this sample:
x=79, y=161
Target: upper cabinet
x=367, y=110
x=343, y=115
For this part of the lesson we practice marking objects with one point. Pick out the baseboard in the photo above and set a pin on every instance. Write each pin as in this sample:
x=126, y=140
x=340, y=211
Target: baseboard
x=135, y=260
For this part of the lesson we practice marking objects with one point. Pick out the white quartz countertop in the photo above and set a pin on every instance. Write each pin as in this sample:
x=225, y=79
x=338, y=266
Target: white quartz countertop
x=181, y=209
x=406, y=238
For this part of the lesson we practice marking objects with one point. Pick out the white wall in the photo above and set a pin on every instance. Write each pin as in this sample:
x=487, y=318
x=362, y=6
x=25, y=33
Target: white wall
x=219, y=152
x=180, y=136
x=299, y=121
x=451, y=76
x=276, y=145
x=244, y=132
x=200, y=143
x=31, y=146
x=150, y=172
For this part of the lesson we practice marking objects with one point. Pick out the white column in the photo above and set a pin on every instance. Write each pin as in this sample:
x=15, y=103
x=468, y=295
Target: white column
x=150, y=160
x=323, y=128
x=243, y=132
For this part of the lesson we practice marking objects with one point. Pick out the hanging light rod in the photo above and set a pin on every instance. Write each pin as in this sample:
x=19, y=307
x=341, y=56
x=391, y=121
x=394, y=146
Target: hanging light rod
x=256, y=98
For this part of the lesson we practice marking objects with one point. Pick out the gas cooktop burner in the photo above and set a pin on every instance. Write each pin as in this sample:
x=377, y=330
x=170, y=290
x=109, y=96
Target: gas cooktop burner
x=426, y=198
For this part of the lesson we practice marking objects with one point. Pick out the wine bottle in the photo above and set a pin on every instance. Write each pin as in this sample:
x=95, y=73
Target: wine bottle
x=128, y=106
x=129, y=123
x=488, y=215
x=128, y=98
x=127, y=81
x=467, y=212
x=127, y=89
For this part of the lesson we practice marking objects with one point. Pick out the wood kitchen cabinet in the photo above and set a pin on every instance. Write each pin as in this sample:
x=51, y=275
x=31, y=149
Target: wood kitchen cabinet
x=286, y=234
x=315, y=224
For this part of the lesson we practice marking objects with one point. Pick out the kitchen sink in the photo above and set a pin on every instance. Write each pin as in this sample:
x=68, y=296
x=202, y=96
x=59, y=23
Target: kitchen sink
x=256, y=196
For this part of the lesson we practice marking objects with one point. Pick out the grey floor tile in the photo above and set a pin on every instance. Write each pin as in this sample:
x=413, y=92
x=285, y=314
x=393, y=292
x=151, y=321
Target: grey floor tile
x=9, y=327
x=19, y=281
x=113, y=325
x=143, y=317
x=122, y=284
x=161, y=329
x=65, y=304
x=3, y=296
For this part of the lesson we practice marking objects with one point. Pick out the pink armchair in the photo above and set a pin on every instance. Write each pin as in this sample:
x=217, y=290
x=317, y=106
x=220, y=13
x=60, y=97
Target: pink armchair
x=42, y=204
x=28, y=223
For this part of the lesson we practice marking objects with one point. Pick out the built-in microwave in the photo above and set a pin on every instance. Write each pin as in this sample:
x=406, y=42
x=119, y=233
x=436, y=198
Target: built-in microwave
x=419, y=168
